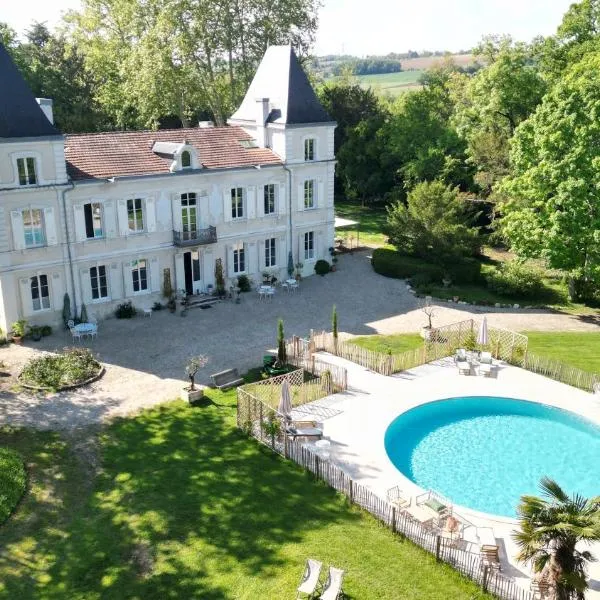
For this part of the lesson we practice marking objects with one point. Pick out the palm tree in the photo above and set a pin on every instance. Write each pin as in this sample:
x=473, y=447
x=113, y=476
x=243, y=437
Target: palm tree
x=551, y=529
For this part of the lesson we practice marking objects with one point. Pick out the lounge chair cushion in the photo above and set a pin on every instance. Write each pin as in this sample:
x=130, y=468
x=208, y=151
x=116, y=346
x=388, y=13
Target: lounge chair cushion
x=435, y=505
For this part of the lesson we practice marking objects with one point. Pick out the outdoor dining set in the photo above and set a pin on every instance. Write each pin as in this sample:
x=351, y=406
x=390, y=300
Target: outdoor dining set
x=82, y=330
x=267, y=291
x=479, y=362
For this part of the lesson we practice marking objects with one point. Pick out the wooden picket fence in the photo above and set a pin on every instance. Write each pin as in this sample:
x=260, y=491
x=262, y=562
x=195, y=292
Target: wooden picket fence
x=252, y=414
x=554, y=369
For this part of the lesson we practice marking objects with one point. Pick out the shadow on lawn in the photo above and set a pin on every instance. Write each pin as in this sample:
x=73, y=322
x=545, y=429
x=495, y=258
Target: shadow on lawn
x=189, y=493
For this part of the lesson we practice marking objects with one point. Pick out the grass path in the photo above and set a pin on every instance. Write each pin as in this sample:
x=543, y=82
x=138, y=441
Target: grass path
x=177, y=503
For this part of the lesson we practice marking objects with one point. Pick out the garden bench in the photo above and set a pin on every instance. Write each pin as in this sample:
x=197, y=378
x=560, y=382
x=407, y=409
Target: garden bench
x=226, y=379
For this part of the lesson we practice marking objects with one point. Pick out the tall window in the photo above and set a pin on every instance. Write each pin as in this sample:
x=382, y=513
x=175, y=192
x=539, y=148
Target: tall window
x=309, y=193
x=186, y=159
x=139, y=273
x=26, y=169
x=309, y=149
x=237, y=203
x=135, y=215
x=189, y=214
x=40, y=294
x=309, y=245
x=270, y=256
x=98, y=282
x=93, y=220
x=269, y=195
x=33, y=227
x=239, y=259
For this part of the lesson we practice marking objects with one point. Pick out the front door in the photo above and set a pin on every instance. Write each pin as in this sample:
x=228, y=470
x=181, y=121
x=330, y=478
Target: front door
x=191, y=269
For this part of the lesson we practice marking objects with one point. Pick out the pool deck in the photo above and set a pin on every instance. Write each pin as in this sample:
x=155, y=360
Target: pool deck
x=355, y=422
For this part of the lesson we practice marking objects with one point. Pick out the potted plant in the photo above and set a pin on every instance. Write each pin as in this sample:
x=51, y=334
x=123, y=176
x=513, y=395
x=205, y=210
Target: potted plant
x=18, y=331
x=299, y=267
x=334, y=261
x=35, y=332
x=172, y=304
x=266, y=277
x=192, y=393
x=426, y=330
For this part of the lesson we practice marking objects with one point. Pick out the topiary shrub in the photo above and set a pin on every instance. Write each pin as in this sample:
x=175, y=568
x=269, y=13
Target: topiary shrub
x=13, y=479
x=244, y=283
x=126, y=310
x=391, y=263
x=322, y=267
x=514, y=279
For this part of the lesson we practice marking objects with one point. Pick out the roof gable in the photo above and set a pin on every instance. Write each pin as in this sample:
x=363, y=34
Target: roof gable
x=281, y=79
x=20, y=114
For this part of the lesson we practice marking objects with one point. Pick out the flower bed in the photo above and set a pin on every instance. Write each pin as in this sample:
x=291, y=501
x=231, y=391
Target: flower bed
x=73, y=368
x=13, y=479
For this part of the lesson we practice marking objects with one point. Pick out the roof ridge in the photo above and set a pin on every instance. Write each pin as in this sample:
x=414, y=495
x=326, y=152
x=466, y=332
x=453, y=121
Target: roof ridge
x=151, y=131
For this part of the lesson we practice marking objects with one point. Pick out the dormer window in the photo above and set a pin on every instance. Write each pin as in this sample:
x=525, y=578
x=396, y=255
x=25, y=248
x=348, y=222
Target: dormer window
x=309, y=149
x=26, y=170
x=181, y=154
x=186, y=159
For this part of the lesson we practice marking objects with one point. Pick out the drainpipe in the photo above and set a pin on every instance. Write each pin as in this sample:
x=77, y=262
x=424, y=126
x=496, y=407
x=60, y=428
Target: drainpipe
x=291, y=249
x=70, y=257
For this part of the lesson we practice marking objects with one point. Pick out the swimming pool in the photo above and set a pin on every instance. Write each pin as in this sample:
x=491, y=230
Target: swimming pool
x=484, y=452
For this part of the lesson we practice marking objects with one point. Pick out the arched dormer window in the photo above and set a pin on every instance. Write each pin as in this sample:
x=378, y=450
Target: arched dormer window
x=186, y=159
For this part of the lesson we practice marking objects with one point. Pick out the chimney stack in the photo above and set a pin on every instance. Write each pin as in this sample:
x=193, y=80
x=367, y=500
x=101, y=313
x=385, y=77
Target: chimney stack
x=46, y=106
x=262, y=114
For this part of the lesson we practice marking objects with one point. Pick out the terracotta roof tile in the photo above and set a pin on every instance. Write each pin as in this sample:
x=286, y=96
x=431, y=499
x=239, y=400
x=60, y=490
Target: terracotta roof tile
x=119, y=154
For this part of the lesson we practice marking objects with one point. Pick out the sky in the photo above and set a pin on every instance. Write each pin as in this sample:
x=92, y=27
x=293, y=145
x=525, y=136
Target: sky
x=362, y=27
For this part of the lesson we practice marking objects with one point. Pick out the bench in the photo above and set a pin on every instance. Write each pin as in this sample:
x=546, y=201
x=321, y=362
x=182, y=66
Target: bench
x=226, y=379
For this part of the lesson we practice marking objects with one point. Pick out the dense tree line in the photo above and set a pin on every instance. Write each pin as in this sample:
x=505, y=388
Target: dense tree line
x=368, y=66
x=521, y=132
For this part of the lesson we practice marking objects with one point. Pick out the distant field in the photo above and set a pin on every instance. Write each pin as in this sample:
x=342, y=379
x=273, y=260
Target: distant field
x=420, y=64
x=392, y=83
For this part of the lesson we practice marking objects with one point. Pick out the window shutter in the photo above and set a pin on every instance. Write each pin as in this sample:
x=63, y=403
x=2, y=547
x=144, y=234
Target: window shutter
x=57, y=291
x=282, y=255
x=281, y=201
x=320, y=200
x=128, y=278
x=16, y=218
x=229, y=266
x=108, y=219
x=176, y=204
x=179, y=282
x=301, y=196
x=86, y=285
x=262, y=263
x=116, y=281
x=227, y=205
x=122, y=214
x=301, y=257
x=154, y=275
x=27, y=304
x=50, y=224
x=150, y=215
x=252, y=264
x=251, y=202
x=79, y=216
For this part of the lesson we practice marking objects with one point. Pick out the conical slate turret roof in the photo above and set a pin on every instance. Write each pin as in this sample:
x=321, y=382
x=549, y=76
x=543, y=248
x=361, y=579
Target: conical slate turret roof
x=20, y=114
x=280, y=78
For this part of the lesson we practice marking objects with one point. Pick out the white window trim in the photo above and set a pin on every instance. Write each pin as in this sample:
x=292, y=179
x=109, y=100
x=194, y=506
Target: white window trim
x=144, y=214
x=177, y=165
x=49, y=279
x=244, y=206
x=234, y=249
x=275, y=199
x=314, y=243
x=304, y=140
x=101, y=203
x=37, y=156
x=148, y=289
x=107, y=270
x=274, y=254
x=314, y=194
x=31, y=207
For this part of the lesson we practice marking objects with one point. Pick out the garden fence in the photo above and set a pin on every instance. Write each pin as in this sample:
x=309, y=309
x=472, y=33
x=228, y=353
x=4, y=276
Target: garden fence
x=253, y=417
x=554, y=369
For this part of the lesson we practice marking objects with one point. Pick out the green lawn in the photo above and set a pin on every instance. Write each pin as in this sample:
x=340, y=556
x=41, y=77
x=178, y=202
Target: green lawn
x=396, y=344
x=13, y=480
x=392, y=83
x=578, y=349
x=178, y=503
x=372, y=222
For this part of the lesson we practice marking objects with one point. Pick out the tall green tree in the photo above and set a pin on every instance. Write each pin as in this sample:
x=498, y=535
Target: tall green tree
x=552, y=206
x=551, y=529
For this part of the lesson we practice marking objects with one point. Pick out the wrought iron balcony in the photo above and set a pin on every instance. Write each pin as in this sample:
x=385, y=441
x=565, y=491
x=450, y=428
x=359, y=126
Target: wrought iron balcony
x=199, y=237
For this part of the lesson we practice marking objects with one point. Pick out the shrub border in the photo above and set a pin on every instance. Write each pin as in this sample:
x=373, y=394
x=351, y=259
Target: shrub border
x=39, y=388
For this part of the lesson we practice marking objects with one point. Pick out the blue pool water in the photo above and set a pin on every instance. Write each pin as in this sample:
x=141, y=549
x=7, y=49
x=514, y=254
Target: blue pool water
x=485, y=452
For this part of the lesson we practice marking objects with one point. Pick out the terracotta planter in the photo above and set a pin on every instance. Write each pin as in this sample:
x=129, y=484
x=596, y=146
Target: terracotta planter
x=17, y=339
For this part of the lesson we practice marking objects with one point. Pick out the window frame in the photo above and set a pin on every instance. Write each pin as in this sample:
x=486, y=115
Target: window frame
x=270, y=252
x=37, y=279
x=189, y=208
x=42, y=227
x=237, y=249
x=137, y=269
x=269, y=199
x=99, y=285
x=310, y=145
x=309, y=245
x=237, y=203
x=25, y=160
x=189, y=158
x=309, y=194
x=142, y=210
x=100, y=206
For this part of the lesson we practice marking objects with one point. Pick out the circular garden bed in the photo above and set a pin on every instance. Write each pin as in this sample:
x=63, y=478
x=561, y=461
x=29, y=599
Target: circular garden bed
x=73, y=368
x=13, y=480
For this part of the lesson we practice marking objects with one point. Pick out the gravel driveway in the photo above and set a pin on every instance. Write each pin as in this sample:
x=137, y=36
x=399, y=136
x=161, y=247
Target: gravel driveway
x=145, y=356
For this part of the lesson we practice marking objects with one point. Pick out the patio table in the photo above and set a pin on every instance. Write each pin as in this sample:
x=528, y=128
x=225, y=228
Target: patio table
x=85, y=328
x=266, y=291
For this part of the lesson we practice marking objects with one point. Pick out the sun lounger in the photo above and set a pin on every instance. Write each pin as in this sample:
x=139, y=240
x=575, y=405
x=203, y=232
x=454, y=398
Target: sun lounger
x=226, y=379
x=305, y=429
x=486, y=364
x=310, y=578
x=332, y=590
x=464, y=368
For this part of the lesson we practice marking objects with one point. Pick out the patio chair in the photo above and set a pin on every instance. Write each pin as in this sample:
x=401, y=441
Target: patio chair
x=332, y=589
x=540, y=587
x=310, y=578
x=464, y=368
x=70, y=323
x=490, y=557
x=397, y=497
x=461, y=355
x=486, y=364
x=76, y=334
x=304, y=429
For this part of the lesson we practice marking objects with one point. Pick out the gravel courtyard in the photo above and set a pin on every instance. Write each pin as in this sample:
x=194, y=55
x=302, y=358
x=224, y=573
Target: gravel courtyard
x=145, y=356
